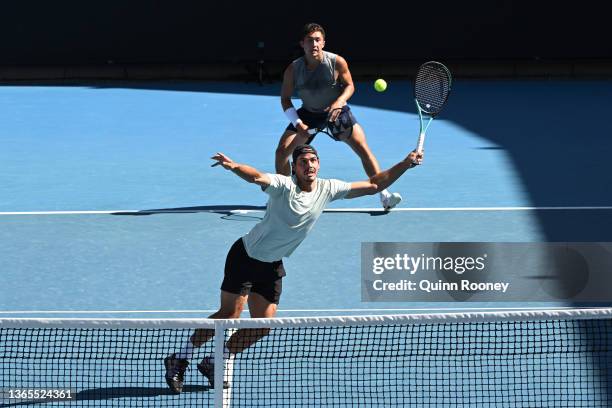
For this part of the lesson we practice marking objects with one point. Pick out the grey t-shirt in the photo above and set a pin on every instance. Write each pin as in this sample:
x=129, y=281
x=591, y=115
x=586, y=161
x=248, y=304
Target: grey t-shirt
x=290, y=215
x=317, y=88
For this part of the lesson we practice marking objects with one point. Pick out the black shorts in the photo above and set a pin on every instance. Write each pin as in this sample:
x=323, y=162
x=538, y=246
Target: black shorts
x=244, y=274
x=318, y=119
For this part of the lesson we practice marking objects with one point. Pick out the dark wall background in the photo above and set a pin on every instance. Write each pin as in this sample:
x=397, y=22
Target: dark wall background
x=183, y=32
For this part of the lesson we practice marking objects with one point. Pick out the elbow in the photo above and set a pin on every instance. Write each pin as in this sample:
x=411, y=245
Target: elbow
x=257, y=179
x=373, y=188
x=349, y=90
x=286, y=102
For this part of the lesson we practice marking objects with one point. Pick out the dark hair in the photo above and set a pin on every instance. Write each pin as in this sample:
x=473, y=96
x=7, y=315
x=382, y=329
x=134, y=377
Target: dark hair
x=303, y=149
x=311, y=28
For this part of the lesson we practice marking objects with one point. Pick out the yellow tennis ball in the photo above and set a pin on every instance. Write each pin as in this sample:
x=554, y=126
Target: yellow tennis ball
x=380, y=85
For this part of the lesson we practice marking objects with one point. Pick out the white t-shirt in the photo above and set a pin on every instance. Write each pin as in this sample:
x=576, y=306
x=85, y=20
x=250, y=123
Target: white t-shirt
x=289, y=216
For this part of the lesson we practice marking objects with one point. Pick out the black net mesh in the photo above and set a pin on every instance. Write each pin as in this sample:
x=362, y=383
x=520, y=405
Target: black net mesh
x=506, y=363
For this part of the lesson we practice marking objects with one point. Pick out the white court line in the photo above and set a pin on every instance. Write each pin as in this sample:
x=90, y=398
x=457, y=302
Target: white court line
x=283, y=310
x=65, y=212
x=471, y=209
x=238, y=210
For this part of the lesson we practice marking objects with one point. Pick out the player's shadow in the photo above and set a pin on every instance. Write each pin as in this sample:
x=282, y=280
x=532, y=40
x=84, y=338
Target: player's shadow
x=227, y=212
x=236, y=212
x=100, y=394
x=554, y=133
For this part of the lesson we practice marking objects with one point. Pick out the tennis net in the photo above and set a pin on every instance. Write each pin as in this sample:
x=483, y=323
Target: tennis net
x=557, y=358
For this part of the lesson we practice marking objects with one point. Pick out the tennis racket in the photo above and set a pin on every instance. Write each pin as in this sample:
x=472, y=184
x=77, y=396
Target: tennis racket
x=431, y=88
x=341, y=126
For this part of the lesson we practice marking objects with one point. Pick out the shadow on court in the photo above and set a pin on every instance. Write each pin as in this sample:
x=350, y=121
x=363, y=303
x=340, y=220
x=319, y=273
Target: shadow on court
x=244, y=211
x=556, y=134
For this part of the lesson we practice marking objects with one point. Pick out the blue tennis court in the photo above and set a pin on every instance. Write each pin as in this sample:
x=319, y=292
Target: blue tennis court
x=110, y=209
x=486, y=286
x=120, y=149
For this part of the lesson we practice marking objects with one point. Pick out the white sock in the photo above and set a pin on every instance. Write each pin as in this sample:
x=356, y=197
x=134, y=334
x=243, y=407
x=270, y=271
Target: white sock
x=186, y=352
x=385, y=194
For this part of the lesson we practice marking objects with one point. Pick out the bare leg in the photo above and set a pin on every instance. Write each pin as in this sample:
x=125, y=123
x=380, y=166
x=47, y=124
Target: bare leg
x=244, y=338
x=231, y=307
x=176, y=364
x=358, y=143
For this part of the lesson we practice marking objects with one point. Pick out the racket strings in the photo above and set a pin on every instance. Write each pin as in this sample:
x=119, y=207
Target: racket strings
x=342, y=122
x=432, y=86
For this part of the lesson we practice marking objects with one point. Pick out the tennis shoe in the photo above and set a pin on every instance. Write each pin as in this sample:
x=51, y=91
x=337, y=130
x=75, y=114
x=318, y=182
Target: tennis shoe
x=390, y=201
x=175, y=372
x=207, y=369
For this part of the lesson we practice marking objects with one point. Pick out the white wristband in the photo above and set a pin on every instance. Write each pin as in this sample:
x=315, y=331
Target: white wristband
x=293, y=117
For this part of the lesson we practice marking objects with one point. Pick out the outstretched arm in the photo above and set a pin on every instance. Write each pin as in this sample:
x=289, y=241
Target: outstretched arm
x=384, y=179
x=245, y=172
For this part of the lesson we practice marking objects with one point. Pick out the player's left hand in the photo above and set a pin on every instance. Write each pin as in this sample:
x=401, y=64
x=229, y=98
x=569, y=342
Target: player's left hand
x=335, y=109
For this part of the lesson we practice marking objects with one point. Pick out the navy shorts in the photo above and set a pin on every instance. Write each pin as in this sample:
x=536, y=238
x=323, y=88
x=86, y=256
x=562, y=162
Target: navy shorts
x=244, y=274
x=318, y=119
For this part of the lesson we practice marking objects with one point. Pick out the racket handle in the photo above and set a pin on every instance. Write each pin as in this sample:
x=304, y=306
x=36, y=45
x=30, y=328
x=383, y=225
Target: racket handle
x=421, y=142
x=312, y=131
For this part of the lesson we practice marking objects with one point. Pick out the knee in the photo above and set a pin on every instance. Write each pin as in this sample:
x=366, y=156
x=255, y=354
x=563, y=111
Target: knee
x=232, y=312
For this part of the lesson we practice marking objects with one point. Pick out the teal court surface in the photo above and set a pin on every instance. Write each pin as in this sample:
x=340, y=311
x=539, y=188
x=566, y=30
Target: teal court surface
x=109, y=209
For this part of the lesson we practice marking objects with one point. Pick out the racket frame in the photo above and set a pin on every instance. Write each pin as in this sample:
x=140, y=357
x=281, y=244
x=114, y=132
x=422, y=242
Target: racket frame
x=324, y=129
x=423, y=127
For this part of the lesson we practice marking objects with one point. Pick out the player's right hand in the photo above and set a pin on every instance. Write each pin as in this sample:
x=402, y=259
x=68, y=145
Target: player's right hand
x=222, y=160
x=302, y=131
x=415, y=158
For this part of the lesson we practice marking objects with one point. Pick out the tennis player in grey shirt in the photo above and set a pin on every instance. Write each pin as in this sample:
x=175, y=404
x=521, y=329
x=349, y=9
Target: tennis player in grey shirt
x=254, y=267
x=323, y=82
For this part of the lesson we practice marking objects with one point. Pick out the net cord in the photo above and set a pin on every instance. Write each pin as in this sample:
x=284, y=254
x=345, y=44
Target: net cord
x=322, y=321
